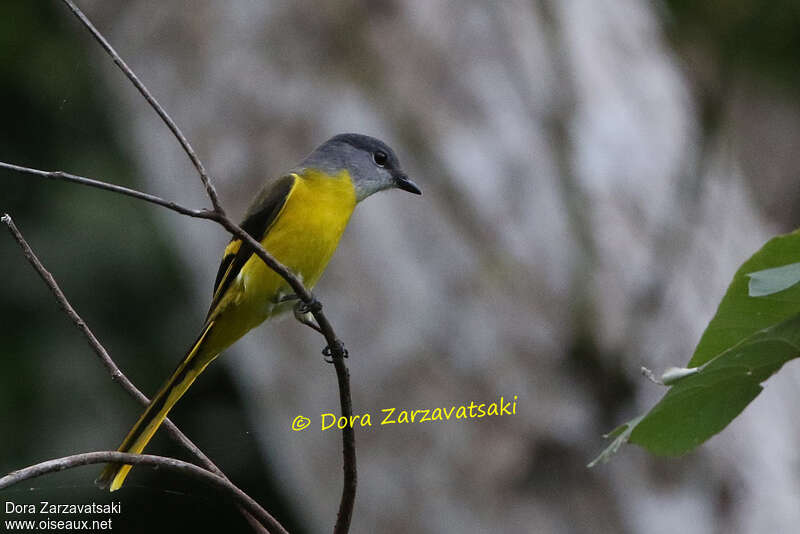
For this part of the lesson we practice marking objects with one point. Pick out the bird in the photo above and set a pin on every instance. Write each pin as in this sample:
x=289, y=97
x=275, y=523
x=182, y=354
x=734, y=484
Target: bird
x=299, y=219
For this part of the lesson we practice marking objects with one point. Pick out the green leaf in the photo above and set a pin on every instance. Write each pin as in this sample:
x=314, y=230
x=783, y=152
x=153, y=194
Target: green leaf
x=748, y=340
x=739, y=315
x=702, y=404
x=775, y=280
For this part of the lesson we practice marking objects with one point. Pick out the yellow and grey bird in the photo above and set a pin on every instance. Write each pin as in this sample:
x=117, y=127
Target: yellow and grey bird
x=299, y=219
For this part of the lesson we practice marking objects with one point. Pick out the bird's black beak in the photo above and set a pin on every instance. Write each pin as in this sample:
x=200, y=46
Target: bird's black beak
x=402, y=182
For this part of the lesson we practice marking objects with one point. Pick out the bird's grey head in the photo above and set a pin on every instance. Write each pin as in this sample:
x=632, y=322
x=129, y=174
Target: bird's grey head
x=372, y=165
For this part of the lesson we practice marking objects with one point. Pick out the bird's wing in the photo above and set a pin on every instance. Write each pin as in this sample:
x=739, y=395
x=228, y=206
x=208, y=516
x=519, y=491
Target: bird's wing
x=257, y=222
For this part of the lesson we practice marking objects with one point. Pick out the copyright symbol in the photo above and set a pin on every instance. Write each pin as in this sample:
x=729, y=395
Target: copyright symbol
x=300, y=423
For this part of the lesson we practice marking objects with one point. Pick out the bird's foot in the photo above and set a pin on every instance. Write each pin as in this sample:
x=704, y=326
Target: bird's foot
x=313, y=306
x=339, y=348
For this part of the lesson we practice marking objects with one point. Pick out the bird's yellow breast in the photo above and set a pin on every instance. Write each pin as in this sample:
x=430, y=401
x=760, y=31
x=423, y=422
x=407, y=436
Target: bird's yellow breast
x=303, y=237
x=308, y=229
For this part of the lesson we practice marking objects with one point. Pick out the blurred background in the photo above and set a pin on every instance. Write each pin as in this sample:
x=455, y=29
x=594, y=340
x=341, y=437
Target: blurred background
x=594, y=172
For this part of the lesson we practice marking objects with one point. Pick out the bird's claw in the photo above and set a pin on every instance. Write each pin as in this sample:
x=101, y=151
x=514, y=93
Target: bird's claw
x=313, y=306
x=328, y=353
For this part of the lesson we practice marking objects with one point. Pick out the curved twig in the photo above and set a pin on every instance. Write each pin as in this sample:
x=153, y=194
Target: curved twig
x=225, y=486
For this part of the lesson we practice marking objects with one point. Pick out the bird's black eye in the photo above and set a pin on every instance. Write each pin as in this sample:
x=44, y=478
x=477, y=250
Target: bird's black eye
x=380, y=158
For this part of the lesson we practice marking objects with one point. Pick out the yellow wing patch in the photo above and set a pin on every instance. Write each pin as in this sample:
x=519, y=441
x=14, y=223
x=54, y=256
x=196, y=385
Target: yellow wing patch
x=232, y=248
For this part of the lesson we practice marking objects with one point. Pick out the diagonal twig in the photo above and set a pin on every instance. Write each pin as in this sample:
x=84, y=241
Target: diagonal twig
x=147, y=197
x=102, y=353
x=212, y=193
x=225, y=486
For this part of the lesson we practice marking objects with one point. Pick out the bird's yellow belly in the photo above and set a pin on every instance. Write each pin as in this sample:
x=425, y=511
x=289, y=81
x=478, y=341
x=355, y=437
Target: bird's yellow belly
x=303, y=237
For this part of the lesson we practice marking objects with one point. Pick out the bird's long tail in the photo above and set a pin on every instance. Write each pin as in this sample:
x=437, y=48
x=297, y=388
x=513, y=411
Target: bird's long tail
x=187, y=371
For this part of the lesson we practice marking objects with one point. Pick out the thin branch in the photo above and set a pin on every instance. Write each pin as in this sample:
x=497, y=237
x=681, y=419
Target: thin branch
x=212, y=193
x=105, y=358
x=67, y=177
x=116, y=374
x=220, y=483
x=337, y=352
x=346, y=503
